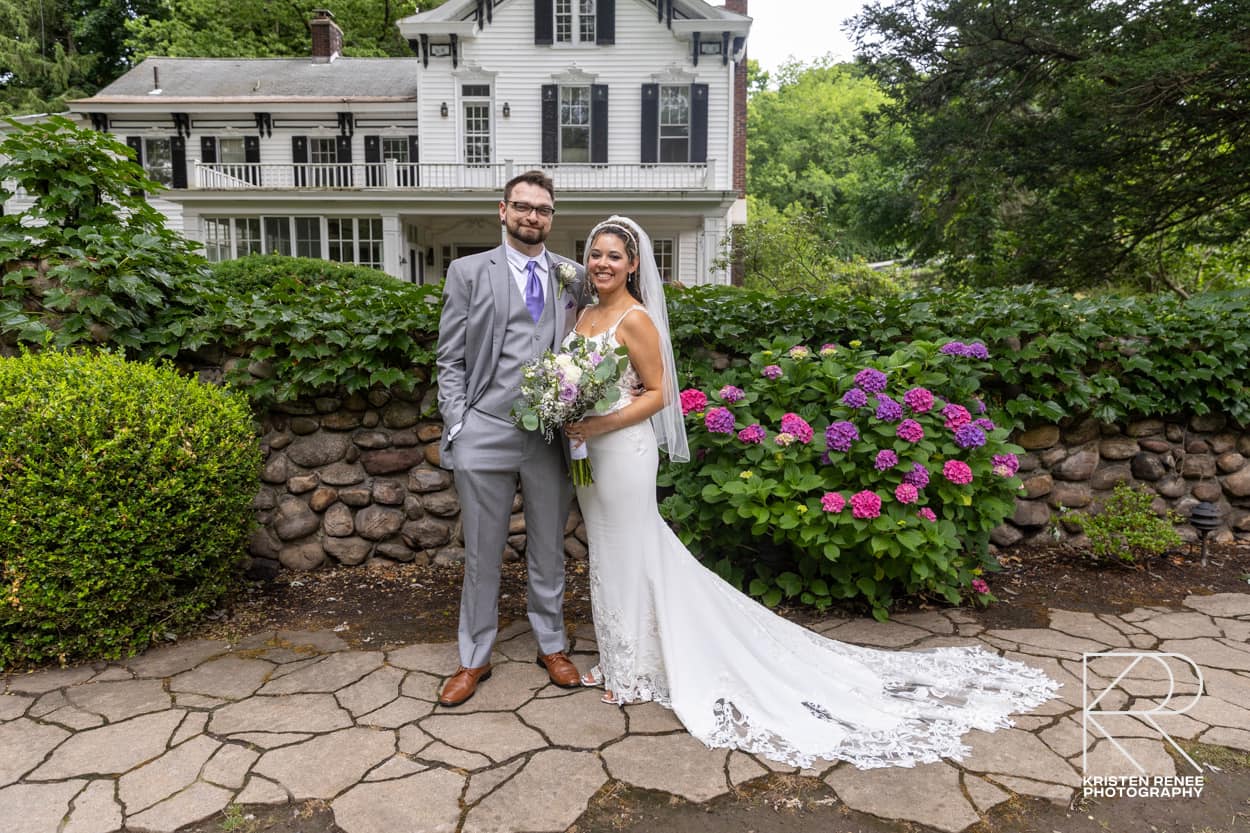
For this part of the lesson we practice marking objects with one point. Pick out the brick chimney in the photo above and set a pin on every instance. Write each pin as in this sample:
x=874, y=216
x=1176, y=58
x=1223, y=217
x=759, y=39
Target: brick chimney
x=740, y=110
x=327, y=37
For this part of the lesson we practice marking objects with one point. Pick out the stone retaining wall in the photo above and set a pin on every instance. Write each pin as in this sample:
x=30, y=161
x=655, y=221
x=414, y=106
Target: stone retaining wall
x=347, y=479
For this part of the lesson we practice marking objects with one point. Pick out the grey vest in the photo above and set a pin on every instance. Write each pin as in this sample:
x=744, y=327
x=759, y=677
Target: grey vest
x=523, y=341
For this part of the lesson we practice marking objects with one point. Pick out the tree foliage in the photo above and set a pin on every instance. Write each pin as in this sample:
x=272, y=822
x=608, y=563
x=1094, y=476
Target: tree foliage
x=1069, y=142
x=817, y=144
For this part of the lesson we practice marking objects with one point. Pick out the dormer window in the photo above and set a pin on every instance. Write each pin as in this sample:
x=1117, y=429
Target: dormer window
x=575, y=21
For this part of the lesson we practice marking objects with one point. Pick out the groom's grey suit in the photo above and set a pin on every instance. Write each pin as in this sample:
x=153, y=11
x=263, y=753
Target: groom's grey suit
x=485, y=335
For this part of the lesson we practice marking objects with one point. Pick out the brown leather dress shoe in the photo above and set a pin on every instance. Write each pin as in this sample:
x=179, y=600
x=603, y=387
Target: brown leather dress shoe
x=462, y=685
x=560, y=669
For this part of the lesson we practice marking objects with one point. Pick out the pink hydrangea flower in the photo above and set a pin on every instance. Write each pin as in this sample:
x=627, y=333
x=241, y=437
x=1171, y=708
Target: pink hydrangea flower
x=828, y=349
x=920, y=400
x=797, y=427
x=906, y=493
x=754, y=434
x=731, y=394
x=865, y=505
x=927, y=514
x=910, y=430
x=692, y=400
x=979, y=586
x=833, y=502
x=957, y=416
x=772, y=371
x=799, y=351
x=886, y=459
x=957, y=472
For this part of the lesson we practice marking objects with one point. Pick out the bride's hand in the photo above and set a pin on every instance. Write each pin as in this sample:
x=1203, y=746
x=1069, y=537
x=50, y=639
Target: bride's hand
x=584, y=429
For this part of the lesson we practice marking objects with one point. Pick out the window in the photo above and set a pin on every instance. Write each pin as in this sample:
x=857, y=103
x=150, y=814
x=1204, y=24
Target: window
x=308, y=237
x=278, y=235
x=232, y=156
x=396, y=147
x=477, y=132
x=674, y=124
x=575, y=124
x=247, y=236
x=664, y=259
x=339, y=236
x=217, y=239
x=369, y=242
x=323, y=154
x=158, y=160
x=575, y=21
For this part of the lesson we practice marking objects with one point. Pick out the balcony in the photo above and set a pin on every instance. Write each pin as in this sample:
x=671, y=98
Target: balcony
x=391, y=175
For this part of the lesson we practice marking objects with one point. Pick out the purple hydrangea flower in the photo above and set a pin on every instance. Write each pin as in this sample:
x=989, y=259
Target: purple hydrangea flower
x=956, y=416
x=731, y=394
x=918, y=476
x=753, y=434
x=886, y=459
x=910, y=430
x=719, y=421
x=870, y=380
x=969, y=436
x=975, y=350
x=854, y=398
x=772, y=371
x=888, y=410
x=980, y=406
x=986, y=425
x=1005, y=465
x=840, y=435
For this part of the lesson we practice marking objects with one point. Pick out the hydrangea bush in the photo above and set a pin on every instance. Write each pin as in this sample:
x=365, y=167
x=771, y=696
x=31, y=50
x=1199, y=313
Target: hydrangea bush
x=839, y=473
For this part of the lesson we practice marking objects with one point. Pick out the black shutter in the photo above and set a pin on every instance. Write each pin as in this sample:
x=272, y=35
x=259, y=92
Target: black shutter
x=343, y=155
x=551, y=124
x=374, y=175
x=650, y=120
x=136, y=144
x=299, y=158
x=605, y=22
x=599, y=123
x=698, y=122
x=178, y=155
x=208, y=149
x=414, y=157
x=251, y=155
x=544, y=23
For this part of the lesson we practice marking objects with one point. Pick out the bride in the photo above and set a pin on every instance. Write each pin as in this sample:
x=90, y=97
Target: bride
x=672, y=631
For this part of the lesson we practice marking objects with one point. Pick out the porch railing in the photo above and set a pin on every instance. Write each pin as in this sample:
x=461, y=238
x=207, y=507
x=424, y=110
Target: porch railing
x=229, y=176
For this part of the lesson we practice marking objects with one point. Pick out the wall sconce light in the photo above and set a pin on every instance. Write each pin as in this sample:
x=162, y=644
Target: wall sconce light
x=507, y=111
x=442, y=109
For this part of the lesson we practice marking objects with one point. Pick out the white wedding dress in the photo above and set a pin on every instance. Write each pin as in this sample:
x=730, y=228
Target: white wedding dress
x=739, y=676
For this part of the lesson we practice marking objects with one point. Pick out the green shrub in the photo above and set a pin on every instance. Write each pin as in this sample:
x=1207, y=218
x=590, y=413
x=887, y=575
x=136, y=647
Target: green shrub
x=1127, y=528
x=899, y=503
x=125, y=503
x=258, y=273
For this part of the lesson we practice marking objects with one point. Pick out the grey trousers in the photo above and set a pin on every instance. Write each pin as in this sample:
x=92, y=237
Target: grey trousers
x=491, y=455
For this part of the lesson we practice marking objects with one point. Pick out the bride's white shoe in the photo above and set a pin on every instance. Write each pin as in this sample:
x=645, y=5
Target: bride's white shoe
x=593, y=678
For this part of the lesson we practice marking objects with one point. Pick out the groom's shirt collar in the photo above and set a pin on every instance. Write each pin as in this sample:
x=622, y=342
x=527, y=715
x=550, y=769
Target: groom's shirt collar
x=516, y=265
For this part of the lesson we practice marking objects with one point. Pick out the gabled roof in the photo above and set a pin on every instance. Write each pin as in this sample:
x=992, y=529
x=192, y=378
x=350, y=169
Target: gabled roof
x=460, y=16
x=264, y=79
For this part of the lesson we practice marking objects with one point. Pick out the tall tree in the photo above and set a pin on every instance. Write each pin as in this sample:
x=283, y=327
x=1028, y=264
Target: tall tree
x=817, y=144
x=40, y=65
x=1066, y=141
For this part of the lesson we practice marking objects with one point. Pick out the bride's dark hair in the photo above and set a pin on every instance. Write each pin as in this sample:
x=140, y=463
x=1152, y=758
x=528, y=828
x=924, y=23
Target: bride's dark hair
x=631, y=251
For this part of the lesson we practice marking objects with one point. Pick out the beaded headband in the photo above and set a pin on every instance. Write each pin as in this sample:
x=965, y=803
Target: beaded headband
x=609, y=225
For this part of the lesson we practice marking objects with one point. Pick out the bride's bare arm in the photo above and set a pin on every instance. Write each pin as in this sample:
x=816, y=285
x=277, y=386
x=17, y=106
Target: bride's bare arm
x=639, y=336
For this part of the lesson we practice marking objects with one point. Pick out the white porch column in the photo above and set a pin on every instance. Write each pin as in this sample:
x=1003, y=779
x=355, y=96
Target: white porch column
x=393, y=246
x=712, y=250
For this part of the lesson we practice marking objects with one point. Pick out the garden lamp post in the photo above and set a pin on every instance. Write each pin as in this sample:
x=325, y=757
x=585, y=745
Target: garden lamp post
x=1205, y=518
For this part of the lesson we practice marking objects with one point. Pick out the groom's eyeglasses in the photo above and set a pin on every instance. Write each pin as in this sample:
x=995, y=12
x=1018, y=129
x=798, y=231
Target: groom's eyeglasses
x=524, y=208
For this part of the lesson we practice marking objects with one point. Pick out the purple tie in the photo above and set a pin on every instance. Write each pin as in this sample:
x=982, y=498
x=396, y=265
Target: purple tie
x=533, y=292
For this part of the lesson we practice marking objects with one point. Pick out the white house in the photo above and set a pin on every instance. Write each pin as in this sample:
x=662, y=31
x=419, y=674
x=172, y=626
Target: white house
x=634, y=107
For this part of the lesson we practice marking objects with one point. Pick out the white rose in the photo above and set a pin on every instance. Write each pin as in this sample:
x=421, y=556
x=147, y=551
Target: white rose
x=572, y=373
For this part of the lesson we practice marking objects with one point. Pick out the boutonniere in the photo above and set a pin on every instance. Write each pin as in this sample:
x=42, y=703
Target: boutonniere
x=566, y=274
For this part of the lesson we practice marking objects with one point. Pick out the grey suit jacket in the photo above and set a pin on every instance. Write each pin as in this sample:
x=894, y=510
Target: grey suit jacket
x=471, y=330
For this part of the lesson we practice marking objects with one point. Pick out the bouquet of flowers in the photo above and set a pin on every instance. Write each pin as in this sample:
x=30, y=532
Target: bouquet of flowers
x=559, y=388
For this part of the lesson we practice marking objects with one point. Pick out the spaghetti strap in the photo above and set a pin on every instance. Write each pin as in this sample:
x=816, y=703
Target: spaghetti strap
x=612, y=329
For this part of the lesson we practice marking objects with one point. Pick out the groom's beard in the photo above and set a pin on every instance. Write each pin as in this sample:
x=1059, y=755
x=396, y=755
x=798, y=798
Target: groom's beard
x=529, y=235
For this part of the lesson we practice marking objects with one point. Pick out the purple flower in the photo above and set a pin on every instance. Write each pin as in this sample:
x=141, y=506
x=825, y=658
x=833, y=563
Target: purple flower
x=969, y=436
x=910, y=430
x=927, y=514
x=865, y=505
x=772, y=371
x=886, y=459
x=975, y=350
x=797, y=427
x=719, y=421
x=825, y=459
x=920, y=400
x=887, y=409
x=731, y=394
x=596, y=359
x=906, y=493
x=870, y=380
x=832, y=502
x=854, y=398
x=692, y=400
x=1005, y=465
x=980, y=406
x=956, y=416
x=568, y=392
x=918, y=476
x=753, y=434
x=986, y=425
x=957, y=472
x=979, y=586
x=840, y=435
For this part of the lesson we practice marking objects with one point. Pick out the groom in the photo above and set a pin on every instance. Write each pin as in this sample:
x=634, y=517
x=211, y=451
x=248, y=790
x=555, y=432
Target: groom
x=501, y=309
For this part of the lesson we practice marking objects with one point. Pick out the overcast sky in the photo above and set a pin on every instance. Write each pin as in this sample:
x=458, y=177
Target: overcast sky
x=804, y=29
